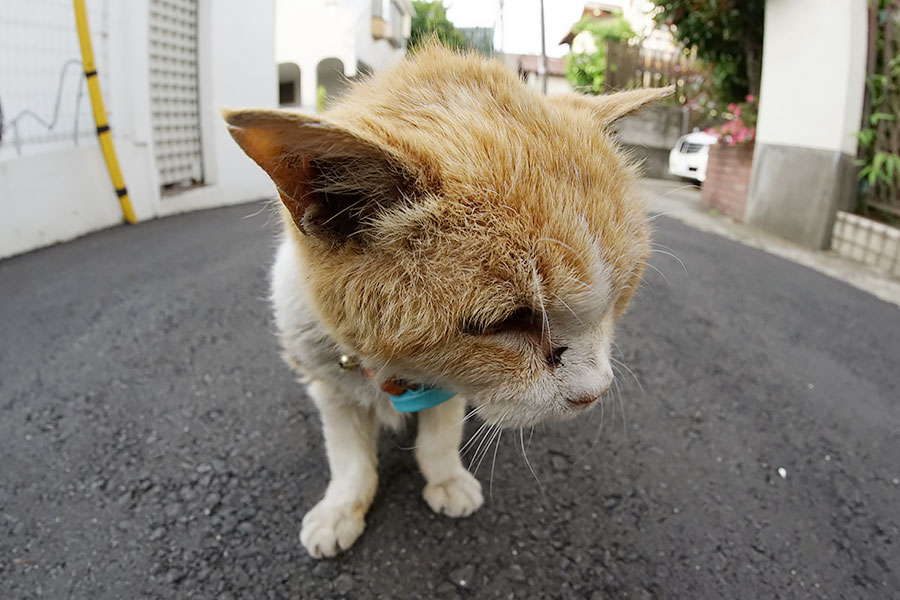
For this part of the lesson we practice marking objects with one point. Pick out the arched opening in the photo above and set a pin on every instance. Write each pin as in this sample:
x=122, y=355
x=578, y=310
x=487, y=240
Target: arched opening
x=288, y=84
x=330, y=81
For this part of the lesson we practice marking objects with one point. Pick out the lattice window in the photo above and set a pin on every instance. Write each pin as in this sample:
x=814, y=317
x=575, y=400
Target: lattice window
x=174, y=92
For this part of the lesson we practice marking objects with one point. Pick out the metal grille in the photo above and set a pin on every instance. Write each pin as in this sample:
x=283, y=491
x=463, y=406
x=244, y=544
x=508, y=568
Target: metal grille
x=691, y=148
x=174, y=93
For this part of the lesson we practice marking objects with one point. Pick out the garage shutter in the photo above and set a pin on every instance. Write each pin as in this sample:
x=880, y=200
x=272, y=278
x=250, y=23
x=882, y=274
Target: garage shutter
x=174, y=94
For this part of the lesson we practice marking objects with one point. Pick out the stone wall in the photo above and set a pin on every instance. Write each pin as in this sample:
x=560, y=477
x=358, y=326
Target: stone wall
x=649, y=135
x=868, y=242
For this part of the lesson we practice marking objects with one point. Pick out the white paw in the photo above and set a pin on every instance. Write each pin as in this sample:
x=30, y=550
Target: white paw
x=329, y=529
x=458, y=496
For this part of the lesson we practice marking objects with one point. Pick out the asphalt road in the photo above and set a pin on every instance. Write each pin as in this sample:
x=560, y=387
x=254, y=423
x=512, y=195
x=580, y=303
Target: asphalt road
x=153, y=445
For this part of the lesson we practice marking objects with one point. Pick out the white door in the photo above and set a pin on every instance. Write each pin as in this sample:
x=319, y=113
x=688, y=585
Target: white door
x=174, y=92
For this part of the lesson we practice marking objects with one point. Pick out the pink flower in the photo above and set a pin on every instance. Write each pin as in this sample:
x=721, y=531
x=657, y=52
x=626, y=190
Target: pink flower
x=750, y=97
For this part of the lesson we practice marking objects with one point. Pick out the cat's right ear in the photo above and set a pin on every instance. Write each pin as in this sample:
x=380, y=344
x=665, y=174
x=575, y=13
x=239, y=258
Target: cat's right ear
x=608, y=108
x=331, y=180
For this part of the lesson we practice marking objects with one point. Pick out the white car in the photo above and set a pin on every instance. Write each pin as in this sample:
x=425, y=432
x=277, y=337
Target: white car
x=689, y=156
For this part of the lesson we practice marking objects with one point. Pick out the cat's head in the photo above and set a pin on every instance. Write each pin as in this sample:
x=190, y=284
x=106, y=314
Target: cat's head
x=461, y=230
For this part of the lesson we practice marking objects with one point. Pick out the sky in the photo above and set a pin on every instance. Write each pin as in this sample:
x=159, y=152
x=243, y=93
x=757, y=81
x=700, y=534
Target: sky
x=521, y=21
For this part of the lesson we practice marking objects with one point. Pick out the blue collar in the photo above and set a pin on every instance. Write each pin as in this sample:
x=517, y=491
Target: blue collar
x=412, y=401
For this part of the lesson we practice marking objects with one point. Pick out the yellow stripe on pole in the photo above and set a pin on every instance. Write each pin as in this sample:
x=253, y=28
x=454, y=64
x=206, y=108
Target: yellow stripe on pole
x=103, y=133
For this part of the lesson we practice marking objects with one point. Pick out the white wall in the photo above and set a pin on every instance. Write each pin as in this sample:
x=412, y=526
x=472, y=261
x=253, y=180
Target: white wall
x=814, y=64
x=58, y=192
x=556, y=84
x=309, y=31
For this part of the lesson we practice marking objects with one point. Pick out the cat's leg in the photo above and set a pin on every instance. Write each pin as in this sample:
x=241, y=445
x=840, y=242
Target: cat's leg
x=350, y=433
x=450, y=489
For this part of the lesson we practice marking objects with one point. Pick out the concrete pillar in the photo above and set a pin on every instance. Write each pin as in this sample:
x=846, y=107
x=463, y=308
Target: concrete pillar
x=813, y=82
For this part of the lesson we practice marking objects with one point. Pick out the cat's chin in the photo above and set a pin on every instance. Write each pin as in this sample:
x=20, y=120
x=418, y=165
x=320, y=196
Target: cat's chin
x=557, y=411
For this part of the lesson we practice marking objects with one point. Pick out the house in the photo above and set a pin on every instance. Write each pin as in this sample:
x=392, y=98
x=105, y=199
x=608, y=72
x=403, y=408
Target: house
x=163, y=69
x=528, y=68
x=323, y=44
x=638, y=13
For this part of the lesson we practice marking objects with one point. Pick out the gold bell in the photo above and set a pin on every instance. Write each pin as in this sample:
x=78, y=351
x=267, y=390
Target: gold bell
x=347, y=362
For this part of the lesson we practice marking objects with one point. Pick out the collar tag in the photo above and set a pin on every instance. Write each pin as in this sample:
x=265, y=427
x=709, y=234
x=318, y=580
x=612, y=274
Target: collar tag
x=412, y=401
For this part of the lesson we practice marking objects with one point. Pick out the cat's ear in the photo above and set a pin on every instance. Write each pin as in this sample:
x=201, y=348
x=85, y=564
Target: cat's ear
x=608, y=108
x=331, y=180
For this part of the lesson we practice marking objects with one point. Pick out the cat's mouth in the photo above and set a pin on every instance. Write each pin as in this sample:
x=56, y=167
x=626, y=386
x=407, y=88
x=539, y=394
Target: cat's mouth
x=584, y=400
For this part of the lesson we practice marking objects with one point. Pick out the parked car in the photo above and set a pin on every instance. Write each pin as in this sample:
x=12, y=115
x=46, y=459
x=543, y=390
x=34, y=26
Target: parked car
x=689, y=156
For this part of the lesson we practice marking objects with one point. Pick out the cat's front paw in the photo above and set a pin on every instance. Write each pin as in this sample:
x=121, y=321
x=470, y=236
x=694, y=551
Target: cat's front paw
x=458, y=496
x=329, y=529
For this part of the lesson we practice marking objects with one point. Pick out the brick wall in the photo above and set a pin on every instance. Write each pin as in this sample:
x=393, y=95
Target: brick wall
x=728, y=179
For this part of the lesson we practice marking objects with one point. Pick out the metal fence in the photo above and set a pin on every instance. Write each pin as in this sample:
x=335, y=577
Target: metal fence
x=43, y=100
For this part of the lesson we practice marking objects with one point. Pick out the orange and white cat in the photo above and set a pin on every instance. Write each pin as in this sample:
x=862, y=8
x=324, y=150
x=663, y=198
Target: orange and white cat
x=448, y=226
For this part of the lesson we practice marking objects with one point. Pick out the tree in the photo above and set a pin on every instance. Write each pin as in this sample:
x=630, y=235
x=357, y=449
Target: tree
x=430, y=21
x=728, y=35
x=586, y=71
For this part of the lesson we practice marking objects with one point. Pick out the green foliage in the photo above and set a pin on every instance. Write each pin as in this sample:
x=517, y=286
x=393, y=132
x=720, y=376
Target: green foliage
x=878, y=149
x=321, y=98
x=586, y=71
x=728, y=35
x=430, y=22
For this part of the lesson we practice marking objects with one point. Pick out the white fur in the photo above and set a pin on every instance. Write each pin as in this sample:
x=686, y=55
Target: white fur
x=353, y=409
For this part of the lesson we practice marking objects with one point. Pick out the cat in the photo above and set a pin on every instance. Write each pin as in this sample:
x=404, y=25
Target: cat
x=447, y=227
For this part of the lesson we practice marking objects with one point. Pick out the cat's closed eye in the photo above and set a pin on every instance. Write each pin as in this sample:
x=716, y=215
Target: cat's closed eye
x=522, y=320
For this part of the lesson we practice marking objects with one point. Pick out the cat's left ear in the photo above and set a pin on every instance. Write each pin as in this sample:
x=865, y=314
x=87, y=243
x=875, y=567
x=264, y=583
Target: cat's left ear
x=332, y=180
x=608, y=108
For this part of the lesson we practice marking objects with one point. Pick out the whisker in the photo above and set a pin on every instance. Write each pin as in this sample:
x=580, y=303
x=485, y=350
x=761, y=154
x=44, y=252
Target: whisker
x=679, y=189
x=471, y=413
x=473, y=438
x=596, y=436
x=487, y=449
x=567, y=307
x=655, y=268
x=525, y=456
x=630, y=372
x=490, y=432
x=622, y=407
x=494, y=464
x=684, y=268
x=545, y=321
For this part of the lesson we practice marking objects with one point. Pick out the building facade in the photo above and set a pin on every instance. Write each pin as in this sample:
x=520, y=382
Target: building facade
x=324, y=44
x=165, y=66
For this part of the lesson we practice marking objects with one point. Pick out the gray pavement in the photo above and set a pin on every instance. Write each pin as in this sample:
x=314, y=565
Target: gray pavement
x=152, y=445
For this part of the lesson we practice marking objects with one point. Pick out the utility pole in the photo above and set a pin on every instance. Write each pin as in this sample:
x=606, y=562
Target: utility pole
x=542, y=67
x=502, y=31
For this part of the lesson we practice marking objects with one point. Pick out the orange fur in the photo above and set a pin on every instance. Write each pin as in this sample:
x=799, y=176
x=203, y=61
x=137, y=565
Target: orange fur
x=504, y=198
x=448, y=226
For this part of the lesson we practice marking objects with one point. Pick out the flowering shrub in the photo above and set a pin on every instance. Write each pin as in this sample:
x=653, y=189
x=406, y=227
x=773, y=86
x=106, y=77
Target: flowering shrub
x=740, y=122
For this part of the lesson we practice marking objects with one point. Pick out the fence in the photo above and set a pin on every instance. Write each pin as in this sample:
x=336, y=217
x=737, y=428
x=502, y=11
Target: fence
x=880, y=136
x=43, y=100
x=642, y=65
